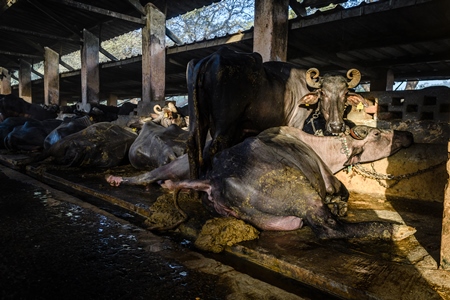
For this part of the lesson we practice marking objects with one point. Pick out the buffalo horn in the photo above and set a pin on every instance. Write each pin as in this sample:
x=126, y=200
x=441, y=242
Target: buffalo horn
x=310, y=77
x=359, y=132
x=355, y=76
x=172, y=107
x=157, y=108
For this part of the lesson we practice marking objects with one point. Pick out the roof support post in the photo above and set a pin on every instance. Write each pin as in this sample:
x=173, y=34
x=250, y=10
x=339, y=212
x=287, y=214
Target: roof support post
x=112, y=100
x=271, y=29
x=383, y=82
x=5, y=81
x=445, y=238
x=153, y=59
x=90, y=82
x=51, y=77
x=25, y=81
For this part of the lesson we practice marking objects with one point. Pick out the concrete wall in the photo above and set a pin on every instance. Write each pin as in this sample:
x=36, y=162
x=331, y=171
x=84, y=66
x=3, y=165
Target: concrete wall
x=428, y=186
x=425, y=113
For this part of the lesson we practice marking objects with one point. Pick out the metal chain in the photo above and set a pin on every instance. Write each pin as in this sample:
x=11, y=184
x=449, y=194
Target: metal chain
x=378, y=176
x=316, y=114
x=396, y=178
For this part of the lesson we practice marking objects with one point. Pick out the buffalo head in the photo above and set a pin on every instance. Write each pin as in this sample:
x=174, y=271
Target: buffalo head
x=334, y=95
x=371, y=144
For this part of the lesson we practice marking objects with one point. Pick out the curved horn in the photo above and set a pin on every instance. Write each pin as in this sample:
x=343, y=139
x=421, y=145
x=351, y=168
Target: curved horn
x=172, y=107
x=157, y=108
x=359, y=132
x=310, y=77
x=355, y=76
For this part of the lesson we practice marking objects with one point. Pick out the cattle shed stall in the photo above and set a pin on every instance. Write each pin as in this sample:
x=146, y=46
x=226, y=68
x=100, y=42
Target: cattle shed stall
x=386, y=40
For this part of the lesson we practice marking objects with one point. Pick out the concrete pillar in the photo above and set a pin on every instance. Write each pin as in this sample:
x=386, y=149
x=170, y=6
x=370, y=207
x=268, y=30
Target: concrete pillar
x=51, y=77
x=90, y=79
x=384, y=82
x=112, y=100
x=5, y=81
x=271, y=29
x=25, y=80
x=445, y=240
x=153, y=60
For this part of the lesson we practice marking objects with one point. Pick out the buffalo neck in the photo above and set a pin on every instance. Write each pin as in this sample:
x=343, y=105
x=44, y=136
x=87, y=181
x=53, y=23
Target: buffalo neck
x=329, y=148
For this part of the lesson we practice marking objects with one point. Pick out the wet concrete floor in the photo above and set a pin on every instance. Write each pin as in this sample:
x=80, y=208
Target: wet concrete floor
x=55, y=246
x=351, y=269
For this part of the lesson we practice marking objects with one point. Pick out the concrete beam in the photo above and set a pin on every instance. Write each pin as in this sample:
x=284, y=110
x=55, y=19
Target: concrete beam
x=271, y=29
x=5, y=81
x=153, y=59
x=383, y=82
x=51, y=77
x=90, y=79
x=445, y=238
x=25, y=81
x=112, y=100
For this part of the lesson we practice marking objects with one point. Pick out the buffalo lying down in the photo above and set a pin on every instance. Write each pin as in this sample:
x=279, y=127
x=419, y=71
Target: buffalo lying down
x=14, y=106
x=275, y=181
x=31, y=135
x=157, y=145
x=371, y=144
x=102, y=145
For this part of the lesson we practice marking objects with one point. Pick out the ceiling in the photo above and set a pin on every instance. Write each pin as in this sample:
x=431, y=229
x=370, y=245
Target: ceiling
x=409, y=37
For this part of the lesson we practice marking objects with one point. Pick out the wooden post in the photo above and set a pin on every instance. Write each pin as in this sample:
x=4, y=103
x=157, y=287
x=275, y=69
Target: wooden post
x=90, y=82
x=384, y=82
x=25, y=80
x=51, y=77
x=445, y=240
x=112, y=100
x=5, y=81
x=271, y=29
x=153, y=59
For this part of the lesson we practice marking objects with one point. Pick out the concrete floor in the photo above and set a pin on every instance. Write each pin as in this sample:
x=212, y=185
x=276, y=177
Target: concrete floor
x=353, y=269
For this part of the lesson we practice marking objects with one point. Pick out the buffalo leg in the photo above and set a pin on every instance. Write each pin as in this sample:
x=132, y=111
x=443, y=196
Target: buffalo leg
x=177, y=169
x=326, y=226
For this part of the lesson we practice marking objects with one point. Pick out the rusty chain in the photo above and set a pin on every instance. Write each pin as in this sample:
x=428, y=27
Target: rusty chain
x=379, y=176
x=396, y=178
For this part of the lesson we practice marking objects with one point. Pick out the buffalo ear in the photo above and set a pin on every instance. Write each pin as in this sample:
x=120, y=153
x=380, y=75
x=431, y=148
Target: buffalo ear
x=310, y=98
x=355, y=156
x=354, y=99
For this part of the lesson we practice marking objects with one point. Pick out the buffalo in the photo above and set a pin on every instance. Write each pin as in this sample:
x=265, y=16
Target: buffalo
x=235, y=95
x=275, y=181
x=364, y=144
x=13, y=106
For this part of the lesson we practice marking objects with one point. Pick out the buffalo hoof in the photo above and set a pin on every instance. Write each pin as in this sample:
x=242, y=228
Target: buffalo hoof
x=113, y=180
x=400, y=232
x=337, y=205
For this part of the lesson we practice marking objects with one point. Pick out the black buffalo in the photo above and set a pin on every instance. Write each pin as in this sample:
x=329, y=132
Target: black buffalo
x=103, y=145
x=157, y=145
x=275, y=181
x=234, y=95
x=31, y=135
x=13, y=106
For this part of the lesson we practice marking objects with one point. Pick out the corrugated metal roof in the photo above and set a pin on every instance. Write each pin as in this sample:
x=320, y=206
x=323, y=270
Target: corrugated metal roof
x=410, y=37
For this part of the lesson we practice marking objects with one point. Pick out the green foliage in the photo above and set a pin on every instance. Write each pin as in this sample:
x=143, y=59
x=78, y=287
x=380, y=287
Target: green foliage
x=218, y=19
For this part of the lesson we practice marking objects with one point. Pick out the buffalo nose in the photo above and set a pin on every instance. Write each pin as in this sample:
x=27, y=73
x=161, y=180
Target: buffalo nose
x=336, y=127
